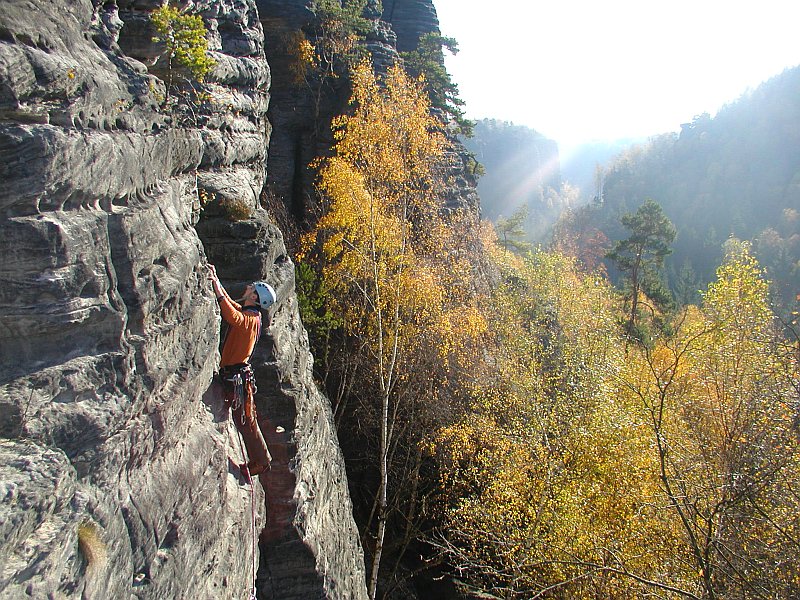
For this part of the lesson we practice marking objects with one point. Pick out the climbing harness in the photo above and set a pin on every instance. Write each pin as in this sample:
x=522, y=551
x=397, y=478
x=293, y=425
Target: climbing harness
x=235, y=379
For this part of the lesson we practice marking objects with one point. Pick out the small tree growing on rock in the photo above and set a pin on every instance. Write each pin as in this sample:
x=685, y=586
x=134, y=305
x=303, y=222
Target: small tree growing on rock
x=184, y=36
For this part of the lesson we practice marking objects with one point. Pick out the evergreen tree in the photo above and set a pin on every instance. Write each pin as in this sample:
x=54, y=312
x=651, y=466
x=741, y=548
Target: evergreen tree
x=511, y=231
x=687, y=285
x=185, y=39
x=427, y=60
x=641, y=255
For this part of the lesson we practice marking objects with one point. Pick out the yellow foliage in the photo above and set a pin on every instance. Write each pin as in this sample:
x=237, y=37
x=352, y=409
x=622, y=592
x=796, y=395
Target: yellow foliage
x=383, y=233
x=301, y=53
x=551, y=470
x=398, y=274
x=92, y=546
x=715, y=396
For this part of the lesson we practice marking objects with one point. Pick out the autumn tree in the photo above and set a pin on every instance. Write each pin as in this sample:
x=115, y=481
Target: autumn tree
x=548, y=485
x=576, y=233
x=396, y=277
x=668, y=470
x=641, y=255
x=721, y=407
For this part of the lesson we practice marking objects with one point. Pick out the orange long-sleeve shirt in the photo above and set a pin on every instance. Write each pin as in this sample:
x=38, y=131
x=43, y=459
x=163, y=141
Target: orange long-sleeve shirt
x=244, y=328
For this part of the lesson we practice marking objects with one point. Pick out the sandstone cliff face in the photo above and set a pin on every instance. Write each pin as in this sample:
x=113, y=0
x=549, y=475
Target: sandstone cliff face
x=300, y=112
x=410, y=19
x=301, y=109
x=115, y=459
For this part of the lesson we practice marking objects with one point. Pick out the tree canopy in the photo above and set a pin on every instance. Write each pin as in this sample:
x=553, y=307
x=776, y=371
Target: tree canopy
x=641, y=255
x=502, y=427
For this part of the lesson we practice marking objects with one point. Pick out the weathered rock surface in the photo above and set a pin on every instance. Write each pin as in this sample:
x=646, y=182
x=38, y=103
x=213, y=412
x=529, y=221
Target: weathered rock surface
x=115, y=468
x=410, y=19
x=300, y=111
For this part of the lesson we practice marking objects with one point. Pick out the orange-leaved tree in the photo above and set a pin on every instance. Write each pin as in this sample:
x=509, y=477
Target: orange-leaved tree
x=395, y=273
x=721, y=403
x=548, y=482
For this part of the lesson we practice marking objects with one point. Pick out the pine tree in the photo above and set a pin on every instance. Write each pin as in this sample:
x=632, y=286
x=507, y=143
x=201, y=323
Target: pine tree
x=427, y=60
x=511, y=230
x=641, y=255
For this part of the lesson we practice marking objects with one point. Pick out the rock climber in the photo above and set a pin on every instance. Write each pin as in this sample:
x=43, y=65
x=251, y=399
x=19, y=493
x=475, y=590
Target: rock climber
x=245, y=323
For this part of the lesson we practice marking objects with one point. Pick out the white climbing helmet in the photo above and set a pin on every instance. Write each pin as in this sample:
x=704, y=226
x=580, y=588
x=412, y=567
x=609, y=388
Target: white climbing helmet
x=266, y=295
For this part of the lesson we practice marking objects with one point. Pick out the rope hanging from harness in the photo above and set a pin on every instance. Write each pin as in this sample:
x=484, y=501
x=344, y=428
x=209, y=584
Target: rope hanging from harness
x=249, y=480
x=253, y=537
x=240, y=382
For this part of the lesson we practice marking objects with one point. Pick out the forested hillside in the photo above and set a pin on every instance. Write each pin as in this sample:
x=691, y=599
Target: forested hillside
x=519, y=170
x=579, y=165
x=736, y=174
x=513, y=426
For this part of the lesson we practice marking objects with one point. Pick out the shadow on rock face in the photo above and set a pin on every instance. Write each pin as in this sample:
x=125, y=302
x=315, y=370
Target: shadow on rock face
x=213, y=398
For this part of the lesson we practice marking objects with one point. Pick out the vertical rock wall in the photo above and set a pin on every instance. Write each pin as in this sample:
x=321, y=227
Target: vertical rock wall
x=302, y=108
x=410, y=19
x=115, y=452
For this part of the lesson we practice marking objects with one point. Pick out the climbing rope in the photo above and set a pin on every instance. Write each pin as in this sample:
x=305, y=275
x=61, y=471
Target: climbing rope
x=253, y=532
x=249, y=480
x=238, y=381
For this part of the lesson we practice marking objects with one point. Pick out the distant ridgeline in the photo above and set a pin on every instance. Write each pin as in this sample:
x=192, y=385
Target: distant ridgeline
x=521, y=168
x=737, y=174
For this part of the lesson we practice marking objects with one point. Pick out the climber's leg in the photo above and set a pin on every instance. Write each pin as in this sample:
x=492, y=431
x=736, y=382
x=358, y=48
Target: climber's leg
x=246, y=418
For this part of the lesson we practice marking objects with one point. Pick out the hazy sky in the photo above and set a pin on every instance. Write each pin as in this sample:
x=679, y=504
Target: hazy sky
x=580, y=70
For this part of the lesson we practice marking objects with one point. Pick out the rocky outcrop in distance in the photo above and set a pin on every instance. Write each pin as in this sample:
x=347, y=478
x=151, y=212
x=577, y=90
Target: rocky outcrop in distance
x=300, y=110
x=410, y=19
x=522, y=169
x=117, y=475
